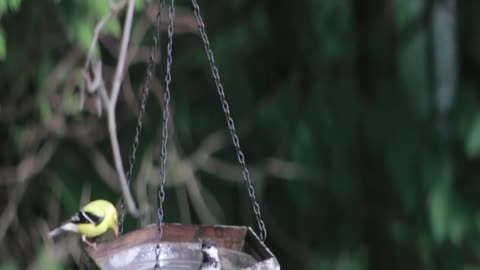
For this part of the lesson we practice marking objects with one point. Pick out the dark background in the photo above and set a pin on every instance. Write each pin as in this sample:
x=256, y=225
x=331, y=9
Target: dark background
x=359, y=120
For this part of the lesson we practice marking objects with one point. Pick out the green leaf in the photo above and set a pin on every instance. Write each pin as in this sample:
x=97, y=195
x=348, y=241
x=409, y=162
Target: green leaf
x=100, y=8
x=472, y=146
x=8, y=265
x=439, y=199
x=84, y=34
x=113, y=27
x=14, y=5
x=457, y=228
x=3, y=7
x=439, y=213
x=139, y=4
x=303, y=144
x=3, y=45
x=45, y=110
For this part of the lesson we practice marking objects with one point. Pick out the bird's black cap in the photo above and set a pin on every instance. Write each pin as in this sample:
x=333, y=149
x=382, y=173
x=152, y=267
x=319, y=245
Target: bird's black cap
x=208, y=243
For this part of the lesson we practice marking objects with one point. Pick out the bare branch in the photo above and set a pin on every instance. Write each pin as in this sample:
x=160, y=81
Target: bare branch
x=183, y=205
x=202, y=159
x=201, y=207
x=97, y=84
x=117, y=80
x=114, y=9
x=112, y=125
x=287, y=170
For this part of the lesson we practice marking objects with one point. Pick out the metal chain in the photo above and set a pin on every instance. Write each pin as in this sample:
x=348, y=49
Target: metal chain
x=231, y=125
x=138, y=130
x=166, y=114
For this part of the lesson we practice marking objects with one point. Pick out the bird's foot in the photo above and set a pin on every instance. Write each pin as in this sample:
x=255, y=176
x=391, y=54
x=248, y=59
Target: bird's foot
x=90, y=244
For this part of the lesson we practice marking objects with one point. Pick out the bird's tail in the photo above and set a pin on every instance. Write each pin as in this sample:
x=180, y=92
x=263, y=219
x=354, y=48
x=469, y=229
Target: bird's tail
x=67, y=227
x=55, y=232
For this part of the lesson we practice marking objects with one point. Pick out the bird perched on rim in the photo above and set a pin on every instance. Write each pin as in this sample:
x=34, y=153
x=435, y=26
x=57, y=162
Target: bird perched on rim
x=211, y=260
x=95, y=219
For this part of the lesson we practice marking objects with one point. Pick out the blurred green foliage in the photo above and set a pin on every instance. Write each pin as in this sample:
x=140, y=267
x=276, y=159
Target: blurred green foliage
x=6, y=6
x=350, y=90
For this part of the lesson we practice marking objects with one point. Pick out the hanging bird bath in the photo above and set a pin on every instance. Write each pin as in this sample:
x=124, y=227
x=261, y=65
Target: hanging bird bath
x=239, y=248
x=178, y=246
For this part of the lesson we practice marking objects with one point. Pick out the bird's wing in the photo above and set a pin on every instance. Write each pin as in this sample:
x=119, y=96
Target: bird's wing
x=85, y=217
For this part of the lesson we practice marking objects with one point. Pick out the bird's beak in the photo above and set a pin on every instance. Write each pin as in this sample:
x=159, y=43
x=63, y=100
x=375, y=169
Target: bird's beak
x=115, y=229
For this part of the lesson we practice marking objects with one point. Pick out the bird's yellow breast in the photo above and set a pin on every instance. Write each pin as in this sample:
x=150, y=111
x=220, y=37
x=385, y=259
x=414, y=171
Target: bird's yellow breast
x=92, y=230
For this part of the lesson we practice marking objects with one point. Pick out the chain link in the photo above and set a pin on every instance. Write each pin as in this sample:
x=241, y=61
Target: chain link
x=166, y=114
x=138, y=130
x=231, y=124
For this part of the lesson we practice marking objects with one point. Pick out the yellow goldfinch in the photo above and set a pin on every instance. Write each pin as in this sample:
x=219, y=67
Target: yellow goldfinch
x=93, y=220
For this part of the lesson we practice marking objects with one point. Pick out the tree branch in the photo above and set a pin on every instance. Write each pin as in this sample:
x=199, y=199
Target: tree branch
x=117, y=80
x=96, y=84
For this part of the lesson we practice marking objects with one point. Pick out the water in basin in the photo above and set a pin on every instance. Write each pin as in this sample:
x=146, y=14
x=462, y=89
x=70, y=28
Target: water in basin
x=174, y=256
